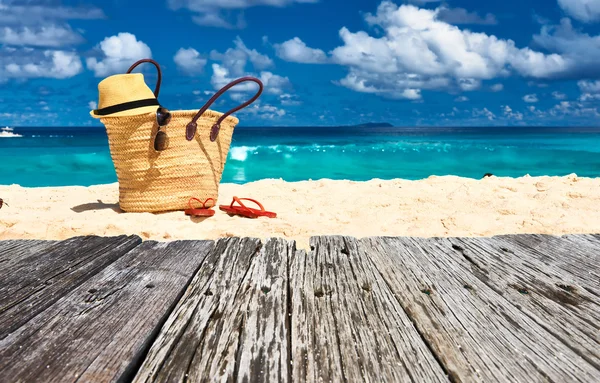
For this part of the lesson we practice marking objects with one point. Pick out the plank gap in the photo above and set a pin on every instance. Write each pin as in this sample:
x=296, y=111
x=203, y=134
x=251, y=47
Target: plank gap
x=411, y=316
x=135, y=365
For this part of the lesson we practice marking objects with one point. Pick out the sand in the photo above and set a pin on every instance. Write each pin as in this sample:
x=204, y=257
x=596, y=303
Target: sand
x=437, y=206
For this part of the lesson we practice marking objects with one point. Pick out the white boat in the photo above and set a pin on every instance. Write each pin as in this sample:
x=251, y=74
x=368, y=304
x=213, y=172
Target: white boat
x=7, y=132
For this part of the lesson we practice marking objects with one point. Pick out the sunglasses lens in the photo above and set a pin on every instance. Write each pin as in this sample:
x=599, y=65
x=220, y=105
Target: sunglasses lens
x=163, y=116
x=161, y=141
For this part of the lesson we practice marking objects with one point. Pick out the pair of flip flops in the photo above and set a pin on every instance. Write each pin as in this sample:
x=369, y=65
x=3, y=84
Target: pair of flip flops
x=241, y=209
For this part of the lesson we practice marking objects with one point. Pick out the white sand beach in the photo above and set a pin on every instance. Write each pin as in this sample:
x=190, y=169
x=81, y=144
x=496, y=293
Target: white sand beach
x=437, y=206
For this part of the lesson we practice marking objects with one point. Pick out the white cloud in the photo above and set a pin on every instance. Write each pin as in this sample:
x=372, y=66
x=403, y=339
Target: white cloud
x=93, y=105
x=266, y=111
x=585, y=97
x=44, y=36
x=27, y=12
x=580, y=50
x=497, y=88
x=590, y=90
x=40, y=28
x=589, y=86
x=272, y=83
x=538, y=113
x=559, y=95
x=28, y=63
x=118, y=54
x=582, y=10
x=485, y=112
x=461, y=99
x=295, y=50
x=462, y=16
x=509, y=113
x=418, y=51
x=236, y=59
x=566, y=108
x=233, y=64
x=531, y=98
x=218, y=13
x=41, y=23
x=288, y=99
x=189, y=61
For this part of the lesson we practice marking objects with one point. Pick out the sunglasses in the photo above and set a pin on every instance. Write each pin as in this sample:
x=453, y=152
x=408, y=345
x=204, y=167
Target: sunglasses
x=161, y=140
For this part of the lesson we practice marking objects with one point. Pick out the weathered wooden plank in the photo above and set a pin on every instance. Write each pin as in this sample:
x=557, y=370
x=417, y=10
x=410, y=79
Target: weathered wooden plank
x=38, y=280
x=230, y=324
x=572, y=250
x=100, y=331
x=14, y=250
x=347, y=325
x=578, y=259
x=476, y=333
x=542, y=292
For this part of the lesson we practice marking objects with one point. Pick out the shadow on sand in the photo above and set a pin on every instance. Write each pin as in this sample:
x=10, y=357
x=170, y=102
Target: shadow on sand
x=97, y=206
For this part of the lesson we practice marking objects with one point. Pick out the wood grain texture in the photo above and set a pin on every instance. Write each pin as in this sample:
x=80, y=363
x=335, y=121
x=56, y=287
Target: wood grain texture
x=542, y=292
x=100, y=331
x=46, y=273
x=14, y=250
x=477, y=333
x=230, y=324
x=347, y=326
x=577, y=257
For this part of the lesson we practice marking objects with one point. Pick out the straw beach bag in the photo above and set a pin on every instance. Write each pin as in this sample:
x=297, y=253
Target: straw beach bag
x=159, y=168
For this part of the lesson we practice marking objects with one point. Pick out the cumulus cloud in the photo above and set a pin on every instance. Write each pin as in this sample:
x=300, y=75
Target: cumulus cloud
x=118, y=53
x=418, y=51
x=582, y=10
x=272, y=83
x=27, y=12
x=264, y=111
x=559, y=95
x=531, y=98
x=577, y=109
x=497, y=87
x=189, y=61
x=234, y=63
x=509, y=113
x=587, y=86
x=28, y=63
x=590, y=90
x=35, y=36
x=42, y=23
x=485, y=112
x=461, y=99
x=44, y=36
x=219, y=13
x=235, y=59
x=287, y=99
x=580, y=50
x=295, y=50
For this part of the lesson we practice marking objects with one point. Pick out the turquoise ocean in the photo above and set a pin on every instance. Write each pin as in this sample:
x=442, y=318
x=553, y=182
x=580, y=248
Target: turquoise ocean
x=80, y=156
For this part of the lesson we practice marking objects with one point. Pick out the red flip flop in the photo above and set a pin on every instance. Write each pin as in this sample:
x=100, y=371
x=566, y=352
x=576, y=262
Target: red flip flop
x=204, y=212
x=245, y=211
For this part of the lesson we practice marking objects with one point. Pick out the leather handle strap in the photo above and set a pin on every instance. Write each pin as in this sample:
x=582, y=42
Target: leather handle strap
x=158, y=81
x=191, y=128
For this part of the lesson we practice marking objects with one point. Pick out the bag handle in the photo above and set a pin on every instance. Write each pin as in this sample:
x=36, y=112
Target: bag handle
x=191, y=128
x=158, y=81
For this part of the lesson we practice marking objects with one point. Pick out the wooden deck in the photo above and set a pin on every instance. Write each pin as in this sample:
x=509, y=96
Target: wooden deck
x=94, y=309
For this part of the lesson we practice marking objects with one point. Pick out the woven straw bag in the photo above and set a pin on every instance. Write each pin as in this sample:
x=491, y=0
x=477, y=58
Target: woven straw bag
x=192, y=164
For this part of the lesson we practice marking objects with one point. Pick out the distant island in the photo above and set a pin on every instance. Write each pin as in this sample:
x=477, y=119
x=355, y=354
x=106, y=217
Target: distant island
x=372, y=125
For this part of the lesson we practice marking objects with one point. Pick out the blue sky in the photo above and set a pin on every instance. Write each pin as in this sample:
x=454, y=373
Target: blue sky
x=323, y=62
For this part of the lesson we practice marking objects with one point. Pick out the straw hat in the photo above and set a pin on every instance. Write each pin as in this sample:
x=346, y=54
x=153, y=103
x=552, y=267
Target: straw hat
x=124, y=95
